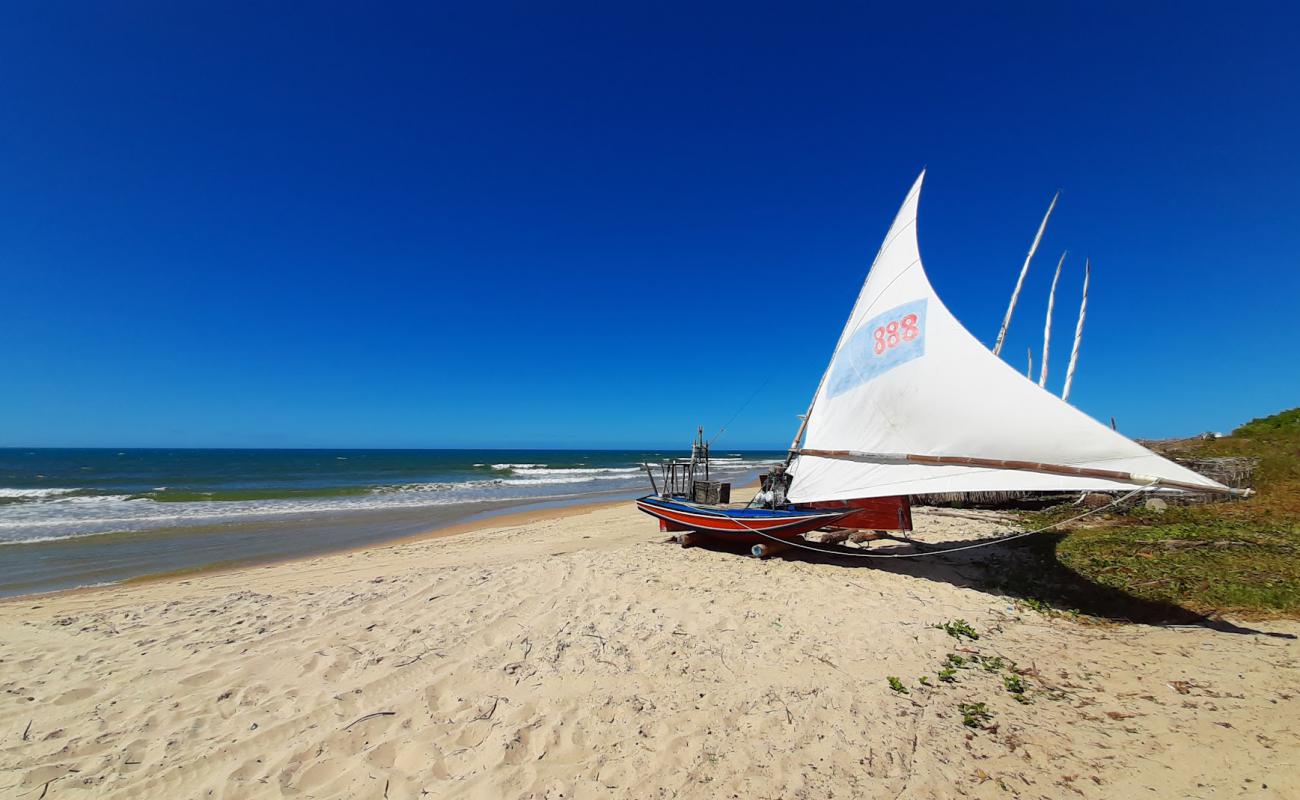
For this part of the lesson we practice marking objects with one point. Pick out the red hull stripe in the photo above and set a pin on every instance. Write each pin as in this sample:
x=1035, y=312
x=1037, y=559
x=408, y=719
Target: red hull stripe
x=723, y=524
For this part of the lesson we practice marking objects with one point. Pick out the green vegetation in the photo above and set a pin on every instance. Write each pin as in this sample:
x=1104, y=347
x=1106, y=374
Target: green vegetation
x=993, y=664
x=957, y=628
x=1285, y=424
x=897, y=685
x=974, y=715
x=948, y=675
x=1240, y=557
x=923, y=680
x=1016, y=686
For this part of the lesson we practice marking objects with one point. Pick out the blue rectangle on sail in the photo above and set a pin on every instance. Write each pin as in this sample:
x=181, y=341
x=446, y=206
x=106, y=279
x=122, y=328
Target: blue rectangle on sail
x=883, y=342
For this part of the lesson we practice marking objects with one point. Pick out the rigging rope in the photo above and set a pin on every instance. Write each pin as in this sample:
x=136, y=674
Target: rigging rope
x=743, y=406
x=987, y=543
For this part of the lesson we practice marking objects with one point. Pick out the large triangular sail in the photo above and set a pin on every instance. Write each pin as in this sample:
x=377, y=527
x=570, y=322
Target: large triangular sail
x=910, y=392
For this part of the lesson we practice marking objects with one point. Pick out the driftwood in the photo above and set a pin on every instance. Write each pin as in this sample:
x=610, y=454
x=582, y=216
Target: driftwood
x=370, y=716
x=836, y=535
x=496, y=701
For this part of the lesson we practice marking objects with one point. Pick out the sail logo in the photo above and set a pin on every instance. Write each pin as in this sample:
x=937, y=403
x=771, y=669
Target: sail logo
x=881, y=343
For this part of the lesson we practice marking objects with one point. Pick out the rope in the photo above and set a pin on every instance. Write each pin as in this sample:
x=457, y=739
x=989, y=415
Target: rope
x=986, y=543
x=743, y=406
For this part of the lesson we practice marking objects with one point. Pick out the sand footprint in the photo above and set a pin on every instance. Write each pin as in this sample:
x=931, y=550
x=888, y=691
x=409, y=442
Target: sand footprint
x=201, y=678
x=517, y=750
x=421, y=758
x=73, y=695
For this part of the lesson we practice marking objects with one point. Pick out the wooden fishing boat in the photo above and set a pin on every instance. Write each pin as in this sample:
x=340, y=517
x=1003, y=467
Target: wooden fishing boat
x=911, y=403
x=741, y=524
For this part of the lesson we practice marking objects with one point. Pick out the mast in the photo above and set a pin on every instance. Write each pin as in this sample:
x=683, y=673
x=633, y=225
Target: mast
x=1015, y=295
x=1047, y=326
x=1078, y=333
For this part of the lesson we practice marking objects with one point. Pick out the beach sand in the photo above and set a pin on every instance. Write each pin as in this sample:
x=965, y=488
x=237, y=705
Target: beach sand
x=576, y=655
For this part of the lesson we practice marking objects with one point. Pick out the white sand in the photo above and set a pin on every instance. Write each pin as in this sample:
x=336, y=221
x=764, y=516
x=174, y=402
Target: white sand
x=579, y=656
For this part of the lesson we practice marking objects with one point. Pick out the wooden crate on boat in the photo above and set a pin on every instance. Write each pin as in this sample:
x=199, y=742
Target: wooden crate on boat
x=711, y=492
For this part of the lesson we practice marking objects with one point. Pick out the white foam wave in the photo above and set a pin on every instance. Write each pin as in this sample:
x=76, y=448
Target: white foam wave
x=575, y=470
x=50, y=492
x=57, y=514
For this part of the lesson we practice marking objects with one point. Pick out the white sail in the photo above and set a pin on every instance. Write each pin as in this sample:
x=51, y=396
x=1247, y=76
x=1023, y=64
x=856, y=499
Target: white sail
x=907, y=379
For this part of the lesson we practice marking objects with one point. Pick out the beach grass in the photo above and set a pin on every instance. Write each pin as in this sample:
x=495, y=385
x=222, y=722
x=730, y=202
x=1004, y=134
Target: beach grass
x=1240, y=557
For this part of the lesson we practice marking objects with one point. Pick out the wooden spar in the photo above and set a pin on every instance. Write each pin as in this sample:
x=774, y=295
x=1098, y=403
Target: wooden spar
x=803, y=426
x=1029, y=370
x=1078, y=333
x=1015, y=295
x=1047, y=326
x=1024, y=466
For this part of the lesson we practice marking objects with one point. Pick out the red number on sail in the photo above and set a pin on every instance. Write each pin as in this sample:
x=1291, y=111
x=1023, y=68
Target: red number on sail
x=910, y=331
x=892, y=334
x=879, y=336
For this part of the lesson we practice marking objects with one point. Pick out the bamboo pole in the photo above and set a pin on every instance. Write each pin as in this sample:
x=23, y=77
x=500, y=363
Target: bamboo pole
x=1047, y=326
x=1015, y=295
x=1078, y=333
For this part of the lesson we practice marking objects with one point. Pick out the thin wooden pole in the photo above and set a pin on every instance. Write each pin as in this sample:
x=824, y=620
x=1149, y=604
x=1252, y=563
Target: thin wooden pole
x=1078, y=333
x=1025, y=269
x=649, y=471
x=1024, y=466
x=1029, y=370
x=1047, y=326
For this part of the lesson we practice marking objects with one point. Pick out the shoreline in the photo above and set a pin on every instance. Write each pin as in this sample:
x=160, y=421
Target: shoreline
x=505, y=516
x=102, y=518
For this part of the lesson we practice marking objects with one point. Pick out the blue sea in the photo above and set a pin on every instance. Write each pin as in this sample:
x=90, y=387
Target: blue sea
x=79, y=517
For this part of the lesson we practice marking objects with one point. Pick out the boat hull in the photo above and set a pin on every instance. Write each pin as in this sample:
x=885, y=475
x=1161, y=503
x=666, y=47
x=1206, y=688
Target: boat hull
x=741, y=525
x=874, y=513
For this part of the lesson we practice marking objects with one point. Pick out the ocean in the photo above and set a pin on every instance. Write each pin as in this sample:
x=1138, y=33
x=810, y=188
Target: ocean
x=84, y=517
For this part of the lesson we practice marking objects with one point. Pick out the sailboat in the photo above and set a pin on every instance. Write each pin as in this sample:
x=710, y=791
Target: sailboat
x=911, y=403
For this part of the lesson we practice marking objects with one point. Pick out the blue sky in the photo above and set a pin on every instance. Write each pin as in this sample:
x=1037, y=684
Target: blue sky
x=597, y=225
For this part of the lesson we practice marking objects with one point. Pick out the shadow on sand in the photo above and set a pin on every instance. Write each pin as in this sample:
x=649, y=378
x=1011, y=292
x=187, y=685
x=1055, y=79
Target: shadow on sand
x=1027, y=569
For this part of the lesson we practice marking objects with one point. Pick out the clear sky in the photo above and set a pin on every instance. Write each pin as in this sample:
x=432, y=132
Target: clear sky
x=462, y=224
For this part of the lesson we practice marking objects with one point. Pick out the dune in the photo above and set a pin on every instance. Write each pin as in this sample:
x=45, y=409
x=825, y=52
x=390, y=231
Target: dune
x=577, y=655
